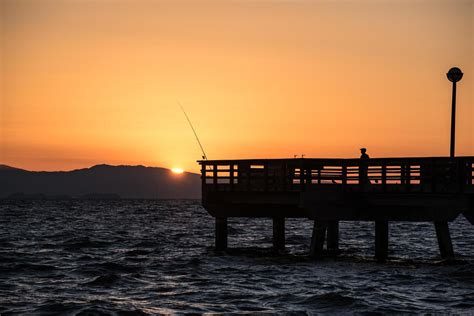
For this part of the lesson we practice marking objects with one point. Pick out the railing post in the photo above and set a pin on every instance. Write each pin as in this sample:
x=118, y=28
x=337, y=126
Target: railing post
x=462, y=168
x=231, y=176
x=203, y=175
x=301, y=177
x=309, y=175
x=214, y=175
x=265, y=174
x=408, y=173
x=434, y=175
x=407, y=177
x=471, y=172
x=458, y=180
x=384, y=177
x=402, y=174
x=344, y=175
x=240, y=178
x=248, y=170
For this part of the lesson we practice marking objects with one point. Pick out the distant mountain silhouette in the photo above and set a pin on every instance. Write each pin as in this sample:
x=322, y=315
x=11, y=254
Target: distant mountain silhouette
x=99, y=181
x=5, y=167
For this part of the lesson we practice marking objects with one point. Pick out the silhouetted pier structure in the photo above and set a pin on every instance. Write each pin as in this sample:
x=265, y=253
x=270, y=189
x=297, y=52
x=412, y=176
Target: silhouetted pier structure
x=428, y=189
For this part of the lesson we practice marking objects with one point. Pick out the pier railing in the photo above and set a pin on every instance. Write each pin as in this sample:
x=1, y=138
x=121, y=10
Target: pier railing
x=427, y=174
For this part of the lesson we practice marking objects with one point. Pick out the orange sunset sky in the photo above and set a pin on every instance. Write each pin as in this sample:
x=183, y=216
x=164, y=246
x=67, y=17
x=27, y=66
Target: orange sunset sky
x=97, y=81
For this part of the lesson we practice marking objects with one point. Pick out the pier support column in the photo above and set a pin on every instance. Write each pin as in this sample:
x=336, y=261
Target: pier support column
x=279, y=233
x=333, y=237
x=221, y=233
x=381, y=240
x=444, y=240
x=317, y=240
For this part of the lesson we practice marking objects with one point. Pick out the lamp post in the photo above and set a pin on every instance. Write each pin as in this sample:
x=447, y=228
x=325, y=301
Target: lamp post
x=454, y=75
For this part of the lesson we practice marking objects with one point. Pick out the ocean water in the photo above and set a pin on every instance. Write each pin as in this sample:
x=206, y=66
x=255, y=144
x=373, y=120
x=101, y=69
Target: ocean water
x=149, y=257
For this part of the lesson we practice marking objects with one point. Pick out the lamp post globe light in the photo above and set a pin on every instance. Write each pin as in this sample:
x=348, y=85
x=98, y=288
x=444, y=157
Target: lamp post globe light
x=454, y=75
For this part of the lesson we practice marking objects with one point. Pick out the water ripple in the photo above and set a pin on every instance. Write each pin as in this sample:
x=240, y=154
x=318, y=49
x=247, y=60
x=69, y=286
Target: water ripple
x=156, y=257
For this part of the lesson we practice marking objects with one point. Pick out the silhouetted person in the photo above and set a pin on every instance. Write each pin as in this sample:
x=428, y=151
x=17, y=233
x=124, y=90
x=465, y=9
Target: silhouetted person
x=364, y=168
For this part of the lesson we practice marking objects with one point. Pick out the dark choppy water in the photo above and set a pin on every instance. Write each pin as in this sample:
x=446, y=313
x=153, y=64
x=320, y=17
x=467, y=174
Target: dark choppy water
x=156, y=257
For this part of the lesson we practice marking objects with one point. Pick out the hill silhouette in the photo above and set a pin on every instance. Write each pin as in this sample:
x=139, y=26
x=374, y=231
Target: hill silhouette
x=100, y=181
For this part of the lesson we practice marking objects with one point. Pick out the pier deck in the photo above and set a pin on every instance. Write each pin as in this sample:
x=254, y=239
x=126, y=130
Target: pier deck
x=434, y=189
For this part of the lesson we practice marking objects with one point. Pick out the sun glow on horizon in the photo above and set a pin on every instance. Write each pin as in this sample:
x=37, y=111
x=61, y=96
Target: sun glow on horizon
x=177, y=170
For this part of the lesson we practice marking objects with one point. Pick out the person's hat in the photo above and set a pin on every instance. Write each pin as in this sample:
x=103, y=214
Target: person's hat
x=365, y=149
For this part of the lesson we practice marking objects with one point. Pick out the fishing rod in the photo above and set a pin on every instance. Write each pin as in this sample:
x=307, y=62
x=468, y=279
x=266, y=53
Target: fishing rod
x=204, y=156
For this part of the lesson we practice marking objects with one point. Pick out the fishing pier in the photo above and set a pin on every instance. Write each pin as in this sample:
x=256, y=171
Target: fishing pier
x=327, y=191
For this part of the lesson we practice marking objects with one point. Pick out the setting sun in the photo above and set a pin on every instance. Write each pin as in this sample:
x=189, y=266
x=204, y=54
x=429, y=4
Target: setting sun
x=177, y=170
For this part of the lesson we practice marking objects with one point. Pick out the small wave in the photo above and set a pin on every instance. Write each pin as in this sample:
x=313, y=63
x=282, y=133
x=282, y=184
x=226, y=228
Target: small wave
x=7, y=259
x=403, y=276
x=6, y=244
x=22, y=267
x=91, y=308
x=104, y=280
x=463, y=273
x=330, y=300
x=83, y=242
x=119, y=267
x=252, y=308
x=138, y=252
x=146, y=244
x=253, y=252
x=464, y=305
x=297, y=239
x=85, y=258
x=110, y=311
x=54, y=308
x=231, y=230
x=194, y=262
x=106, y=268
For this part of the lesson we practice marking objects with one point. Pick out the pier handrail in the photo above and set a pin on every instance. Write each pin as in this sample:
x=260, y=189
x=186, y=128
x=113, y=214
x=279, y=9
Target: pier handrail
x=417, y=174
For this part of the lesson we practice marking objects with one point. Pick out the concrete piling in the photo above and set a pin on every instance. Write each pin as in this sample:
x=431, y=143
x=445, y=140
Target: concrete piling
x=279, y=233
x=221, y=233
x=381, y=240
x=444, y=240
x=317, y=239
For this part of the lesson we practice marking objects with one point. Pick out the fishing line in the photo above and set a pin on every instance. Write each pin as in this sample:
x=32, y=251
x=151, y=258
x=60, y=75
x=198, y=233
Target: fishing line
x=204, y=156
